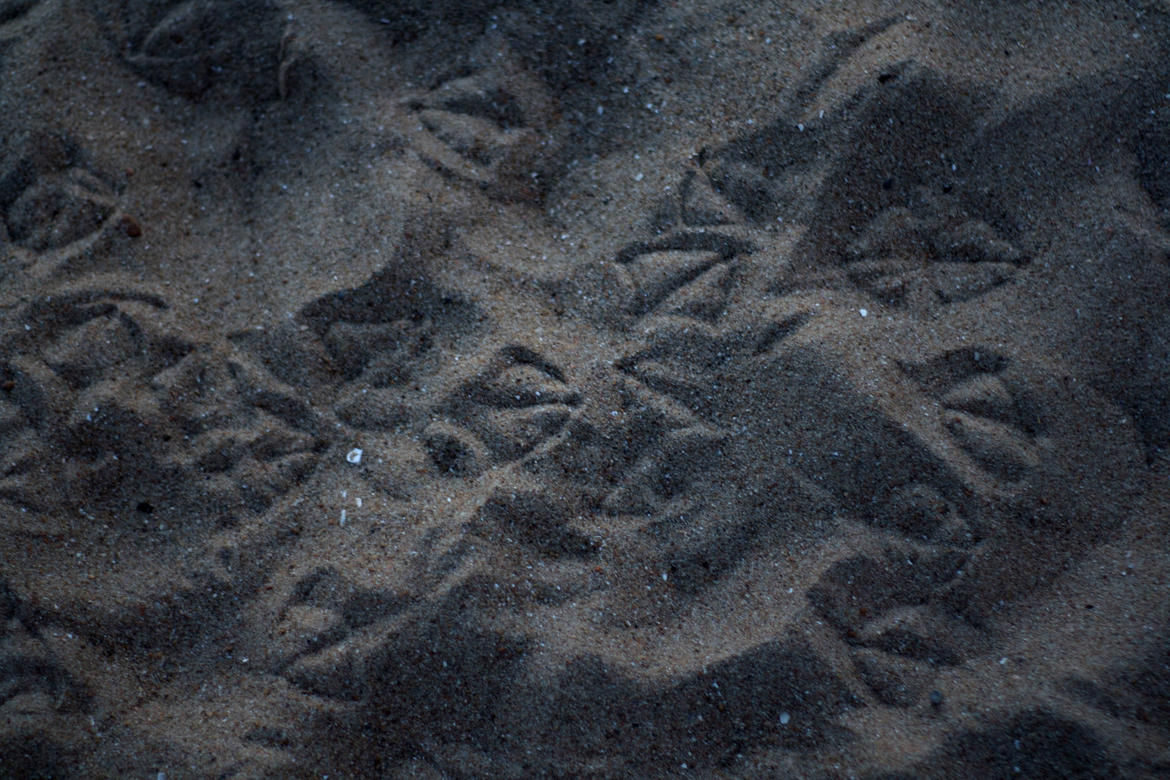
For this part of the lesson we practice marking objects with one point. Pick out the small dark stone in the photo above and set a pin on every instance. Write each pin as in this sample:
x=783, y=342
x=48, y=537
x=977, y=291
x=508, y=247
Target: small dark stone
x=936, y=698
x=145, y=507
x=130, y=226
x=8, y=385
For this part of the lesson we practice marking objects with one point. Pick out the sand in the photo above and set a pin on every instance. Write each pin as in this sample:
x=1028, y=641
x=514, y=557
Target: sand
x=624, y=389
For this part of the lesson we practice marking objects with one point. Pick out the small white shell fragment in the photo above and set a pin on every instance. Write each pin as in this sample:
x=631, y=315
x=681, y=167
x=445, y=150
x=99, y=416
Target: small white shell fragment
x=863, y=312
x=354, y=455
x=784, y=718
x=342, y=517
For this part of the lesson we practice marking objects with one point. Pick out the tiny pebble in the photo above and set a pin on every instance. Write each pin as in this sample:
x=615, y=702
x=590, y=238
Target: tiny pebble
x=936, y=698
x=863, y=312
x=354, y=455
x=130, y=226
x=784, y=718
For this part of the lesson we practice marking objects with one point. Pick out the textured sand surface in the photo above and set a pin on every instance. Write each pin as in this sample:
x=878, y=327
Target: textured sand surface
x=628, y=388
